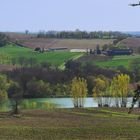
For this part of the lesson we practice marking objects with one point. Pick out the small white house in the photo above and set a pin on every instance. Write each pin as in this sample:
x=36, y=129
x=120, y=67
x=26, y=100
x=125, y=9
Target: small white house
x=79, y=50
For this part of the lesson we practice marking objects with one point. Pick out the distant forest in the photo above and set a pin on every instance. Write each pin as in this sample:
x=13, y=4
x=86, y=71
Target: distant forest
x=82, y=35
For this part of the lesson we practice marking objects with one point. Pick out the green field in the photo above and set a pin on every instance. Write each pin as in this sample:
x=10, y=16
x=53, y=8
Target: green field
x=71, y=124
x=12, y=51
x=118, y=61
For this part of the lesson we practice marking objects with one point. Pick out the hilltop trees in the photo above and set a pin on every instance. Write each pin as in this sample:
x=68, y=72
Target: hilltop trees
x=3, y=39
x=78, y=91
x=77, y=34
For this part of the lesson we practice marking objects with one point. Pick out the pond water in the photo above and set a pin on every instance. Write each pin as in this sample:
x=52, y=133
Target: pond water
x=89, y=102
x=49, y=103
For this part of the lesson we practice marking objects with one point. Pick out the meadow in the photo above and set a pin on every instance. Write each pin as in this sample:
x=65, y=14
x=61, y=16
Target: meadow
x=71, y=124
x=110, y=61
x=9, y=52
x=117, y=61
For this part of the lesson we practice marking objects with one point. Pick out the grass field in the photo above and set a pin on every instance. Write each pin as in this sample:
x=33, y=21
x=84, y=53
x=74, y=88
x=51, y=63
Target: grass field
x=71, y=124
x=56, y=58
x=118, y=61
x=110, y=61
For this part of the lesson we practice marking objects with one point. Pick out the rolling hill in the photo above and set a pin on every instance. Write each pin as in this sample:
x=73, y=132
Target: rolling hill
x=32, y=41
x=132, y=42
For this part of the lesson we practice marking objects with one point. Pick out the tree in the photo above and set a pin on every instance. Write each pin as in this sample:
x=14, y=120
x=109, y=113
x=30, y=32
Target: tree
x=99, y=89
x=32, y=61
x=114, y=90
x=38, y=89
x=26, y=32
x=21, y=60
x=3, y=40
x=15, y=95
x=120, y=87
x=4, y=85
x=78, y=91
x=14, y=61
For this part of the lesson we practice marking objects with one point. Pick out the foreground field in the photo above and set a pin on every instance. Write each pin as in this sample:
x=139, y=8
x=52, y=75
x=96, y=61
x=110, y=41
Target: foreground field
x=9, y=52
x=71, y=124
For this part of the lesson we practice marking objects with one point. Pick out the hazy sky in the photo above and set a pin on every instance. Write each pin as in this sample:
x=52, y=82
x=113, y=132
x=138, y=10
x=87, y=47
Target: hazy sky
x=35, y=15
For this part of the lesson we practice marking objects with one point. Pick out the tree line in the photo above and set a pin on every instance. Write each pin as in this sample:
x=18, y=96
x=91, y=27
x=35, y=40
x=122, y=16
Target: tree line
x=77, y=81
x=3, y=39
x=118, y=88
x=41, y=78
x=82, y=35
x=77, y=89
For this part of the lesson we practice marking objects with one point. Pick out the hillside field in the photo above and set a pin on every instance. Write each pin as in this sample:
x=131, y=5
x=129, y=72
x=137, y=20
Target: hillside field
x=32, y=41
x=117, y=61
x=110, y=61
x=68, y=43
x=131, y=42
x=12, y=51
x=71, y=124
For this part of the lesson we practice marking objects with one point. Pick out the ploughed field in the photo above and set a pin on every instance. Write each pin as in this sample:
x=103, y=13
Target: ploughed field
x=66, y=43
x=71, y=124
x=32, y=41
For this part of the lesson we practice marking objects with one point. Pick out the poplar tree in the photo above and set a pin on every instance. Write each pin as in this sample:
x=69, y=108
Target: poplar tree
x=99, y=90
x=120, y=87
x=78, y=91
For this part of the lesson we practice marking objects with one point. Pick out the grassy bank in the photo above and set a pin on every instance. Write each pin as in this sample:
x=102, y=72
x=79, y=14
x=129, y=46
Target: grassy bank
x=71, y=124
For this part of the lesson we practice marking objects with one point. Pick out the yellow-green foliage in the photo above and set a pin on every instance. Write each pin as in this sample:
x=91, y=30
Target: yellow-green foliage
x=4, y=58
x=100, y=86
x=78, y=91
x=4, y=85
x=120, y=86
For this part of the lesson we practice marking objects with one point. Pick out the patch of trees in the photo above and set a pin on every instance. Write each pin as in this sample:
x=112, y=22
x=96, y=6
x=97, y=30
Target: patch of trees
x=3, y=39
x=83, y=35
x=45, y=81
x=118, y=88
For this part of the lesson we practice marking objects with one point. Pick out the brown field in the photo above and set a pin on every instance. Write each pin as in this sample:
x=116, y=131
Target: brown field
x=131, y=42
x=33, y=42
x=71, y=124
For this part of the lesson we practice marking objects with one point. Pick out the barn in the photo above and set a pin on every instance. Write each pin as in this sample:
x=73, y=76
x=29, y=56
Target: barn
x=120, y=52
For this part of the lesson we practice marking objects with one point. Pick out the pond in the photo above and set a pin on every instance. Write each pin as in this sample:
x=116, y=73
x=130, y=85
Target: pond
x=49, y=103
x=89, y=102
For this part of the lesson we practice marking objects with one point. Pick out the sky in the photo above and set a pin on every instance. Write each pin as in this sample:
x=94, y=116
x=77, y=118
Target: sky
x=89, y=15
